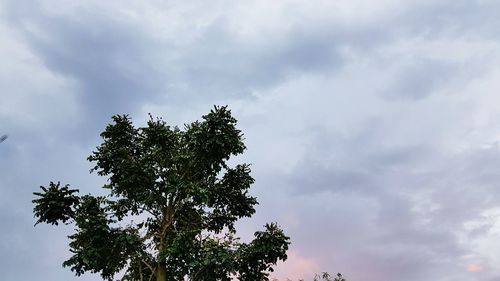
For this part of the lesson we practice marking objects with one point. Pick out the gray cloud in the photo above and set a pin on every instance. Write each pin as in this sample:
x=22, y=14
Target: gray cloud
x=118, y=66
x=108, y=60
x=388, y=187
x=420, y=78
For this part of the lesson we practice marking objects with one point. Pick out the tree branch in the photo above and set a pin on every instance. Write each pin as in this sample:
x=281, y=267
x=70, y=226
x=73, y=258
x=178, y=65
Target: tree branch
x=148, y=265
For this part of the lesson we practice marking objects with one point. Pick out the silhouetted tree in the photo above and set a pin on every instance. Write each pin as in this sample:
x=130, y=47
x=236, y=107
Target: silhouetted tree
x=172, y=204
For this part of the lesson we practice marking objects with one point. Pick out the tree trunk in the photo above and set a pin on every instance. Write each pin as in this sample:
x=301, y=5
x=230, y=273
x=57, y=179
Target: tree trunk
x=161, y=273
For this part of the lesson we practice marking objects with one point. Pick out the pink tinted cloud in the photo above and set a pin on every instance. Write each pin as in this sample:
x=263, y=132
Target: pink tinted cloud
x=296, y=267
x=472, y=267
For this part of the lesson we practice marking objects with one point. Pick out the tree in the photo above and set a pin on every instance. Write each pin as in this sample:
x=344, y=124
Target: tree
x=172, y=204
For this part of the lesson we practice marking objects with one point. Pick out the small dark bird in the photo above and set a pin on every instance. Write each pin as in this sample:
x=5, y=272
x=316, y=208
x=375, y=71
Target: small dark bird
x=2, y=138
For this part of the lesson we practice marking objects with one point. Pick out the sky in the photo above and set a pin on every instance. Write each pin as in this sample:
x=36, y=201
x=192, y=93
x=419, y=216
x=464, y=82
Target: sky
x=373, y=127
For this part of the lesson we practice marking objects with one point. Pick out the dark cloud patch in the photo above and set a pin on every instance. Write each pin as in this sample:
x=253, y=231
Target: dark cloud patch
x=420, y=78
x=220, y=64
x=119, y=67
x=359, y=162
x=109, y=60
x=335, y=179
x=455, y=17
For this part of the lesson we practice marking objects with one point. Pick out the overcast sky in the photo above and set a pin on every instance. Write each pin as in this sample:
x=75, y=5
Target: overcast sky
x=373, y=127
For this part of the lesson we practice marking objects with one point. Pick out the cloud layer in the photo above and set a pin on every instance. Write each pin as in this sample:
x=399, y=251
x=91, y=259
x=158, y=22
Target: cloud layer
x=372, y=127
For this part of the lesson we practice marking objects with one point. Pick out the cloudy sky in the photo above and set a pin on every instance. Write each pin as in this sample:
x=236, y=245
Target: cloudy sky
x=373, y=126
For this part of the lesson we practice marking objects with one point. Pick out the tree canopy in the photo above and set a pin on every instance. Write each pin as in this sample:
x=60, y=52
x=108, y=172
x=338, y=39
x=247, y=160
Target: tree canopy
x=171, y=207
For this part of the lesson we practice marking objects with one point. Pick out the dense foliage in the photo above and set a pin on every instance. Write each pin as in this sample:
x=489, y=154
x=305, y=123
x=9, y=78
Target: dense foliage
x=172, y=205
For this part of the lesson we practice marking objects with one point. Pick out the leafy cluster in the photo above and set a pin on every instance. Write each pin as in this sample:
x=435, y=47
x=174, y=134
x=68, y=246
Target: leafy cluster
x=56, y=204
x=186, y=198
x=325, y=276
